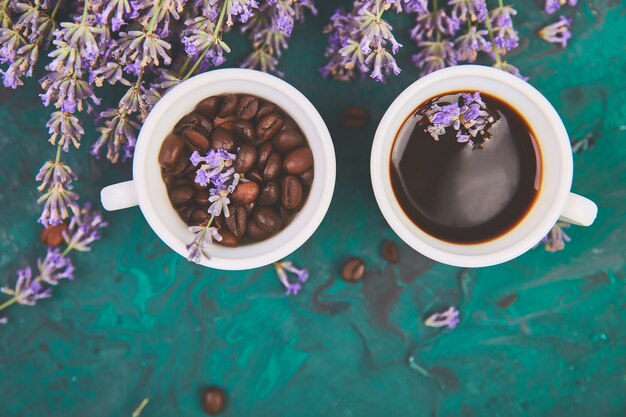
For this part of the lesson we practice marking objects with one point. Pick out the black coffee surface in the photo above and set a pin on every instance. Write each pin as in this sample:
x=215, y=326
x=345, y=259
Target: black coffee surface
x=462, y=193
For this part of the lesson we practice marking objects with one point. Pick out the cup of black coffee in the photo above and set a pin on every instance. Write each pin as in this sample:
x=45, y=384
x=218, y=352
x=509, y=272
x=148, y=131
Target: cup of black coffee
x=472, y=166
x=278, y=146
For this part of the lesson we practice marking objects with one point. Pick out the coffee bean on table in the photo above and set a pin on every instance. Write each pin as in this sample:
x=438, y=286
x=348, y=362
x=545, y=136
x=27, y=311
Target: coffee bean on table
x=263, y=153
x=237, y=221
x=267, y=219
x=255, y=232
x=268, y=126
x=286, y=140
x=307, y=177
x=171, y=151
x=255, y=175
x=209, y=106
x=222, y=139
x=298, y=161
x=355, y=117
x=291, y=192
x=246, y=157
x=182, y=194
x=245, y=193
x=389, y=251
x=247, y=108
x=353, y=270
x=273, y=167
x=244, y=130
x=213, y=400
x=270, y=194
x=196, y=140
x=229, y=105
x=52, y=236
x=228, y=239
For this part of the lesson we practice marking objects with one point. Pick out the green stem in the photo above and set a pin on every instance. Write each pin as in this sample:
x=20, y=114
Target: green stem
x=435, y=9
x=500, y=3
x=154, y=17
x=85, y=12
x=184, y=67
x=58, y=157
x=55, y=10
x=8, y=303
x=216, y=32
x=494, y=47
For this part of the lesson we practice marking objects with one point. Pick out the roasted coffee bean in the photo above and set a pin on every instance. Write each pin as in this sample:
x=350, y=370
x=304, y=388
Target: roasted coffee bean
x=255, y=232
x=270, y=194
x=222, y=139
x=227, y=123
x=229, y=105
x=190, y=169
x=307, y=177
x=213, y=400
x=355, y=117
x=52, y=236
x=228, y=239
x=267, y=219
x=168, y=179
x=389, y=251
x=247, y=108
x=209, y=106
x=201, y=197
x=286, y=140
x=196, y=140
x=353, y=270
x=188, y=121
x=289, y=124
x=171, y=151
x=298, y=161
x=181, y=194
x=265, y=109
x=264, y=151
x=291, y=192
x=255, y=175
x=237, y=221
x=273, y=167
x=245, y=193
x=184, y=212
x=269, y=126
x=246, y=157
x=244, y=130
x=204, y=124
x=199, y=217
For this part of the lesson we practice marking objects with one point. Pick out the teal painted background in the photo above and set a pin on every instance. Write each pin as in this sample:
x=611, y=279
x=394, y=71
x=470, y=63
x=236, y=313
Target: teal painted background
x=139, y=321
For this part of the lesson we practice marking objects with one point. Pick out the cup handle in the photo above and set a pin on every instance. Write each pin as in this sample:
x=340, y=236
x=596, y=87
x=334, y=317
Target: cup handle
x=579, y=210
x=119, y=196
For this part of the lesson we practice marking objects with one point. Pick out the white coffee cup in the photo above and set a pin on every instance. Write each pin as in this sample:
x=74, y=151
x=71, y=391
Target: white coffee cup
x=148, y=190
x=554, y=198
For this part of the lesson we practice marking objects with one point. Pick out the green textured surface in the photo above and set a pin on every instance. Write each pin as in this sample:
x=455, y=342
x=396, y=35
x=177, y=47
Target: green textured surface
x=140, y=321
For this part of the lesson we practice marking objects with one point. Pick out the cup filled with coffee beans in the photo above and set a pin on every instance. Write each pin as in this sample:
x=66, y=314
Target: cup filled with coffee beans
x=471, y=166
x=234, y=169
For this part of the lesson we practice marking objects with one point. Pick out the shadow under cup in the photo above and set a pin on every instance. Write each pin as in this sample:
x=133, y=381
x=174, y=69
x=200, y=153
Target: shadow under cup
x=556, y=165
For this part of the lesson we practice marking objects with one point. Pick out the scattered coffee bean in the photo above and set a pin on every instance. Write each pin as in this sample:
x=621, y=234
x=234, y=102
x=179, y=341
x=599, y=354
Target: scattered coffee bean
x=255, y=175
x=196, y=140
x=228, y=239
x=269, y=126
x=353, y=270
x=291, y=192
x=237, y=221
x=273, y=167
x=389, y=251
x=182, y=194
x=199, y=217
x=248, y=108
x=286, y=140
x=222, y=139
x=298, y=161
x=209, y=106
x=263, y=153
x=229, y=105
x=270, y=194
x=245, y=193
x=246, y=157
x=52, y=236
x=355, y=117
x=244, y=130
x=267, y=219
x=255, y=232
x=307, y=177
x=213, y=400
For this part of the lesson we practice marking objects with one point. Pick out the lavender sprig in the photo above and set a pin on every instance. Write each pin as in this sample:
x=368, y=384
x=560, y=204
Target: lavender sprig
x=552, y=6
x=556, y=239
x=558, y=33
x=282, y=270
x=448, y=318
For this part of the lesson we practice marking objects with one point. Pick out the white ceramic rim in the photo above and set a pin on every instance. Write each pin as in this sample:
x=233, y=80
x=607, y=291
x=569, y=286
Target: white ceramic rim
x=152, y=194
x=557, y=166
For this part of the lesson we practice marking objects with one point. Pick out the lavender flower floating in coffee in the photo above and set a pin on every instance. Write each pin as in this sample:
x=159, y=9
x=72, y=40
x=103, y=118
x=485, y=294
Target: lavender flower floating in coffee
x=237, y=170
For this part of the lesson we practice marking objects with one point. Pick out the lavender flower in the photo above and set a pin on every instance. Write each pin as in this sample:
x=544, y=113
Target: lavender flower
x=448, y=318
x=468, y=10
x=435, y=56
x=556, y=239
x=58, y=201
x=84, y=229
x=204, y=236
x=506, y=37
x=52, y=173
x=55, y=267
x=552, y=6
x=27, y=291
x=511, y=69
x=282, y=268
x=469, y=44
x=557, y=33
x=119, y=135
